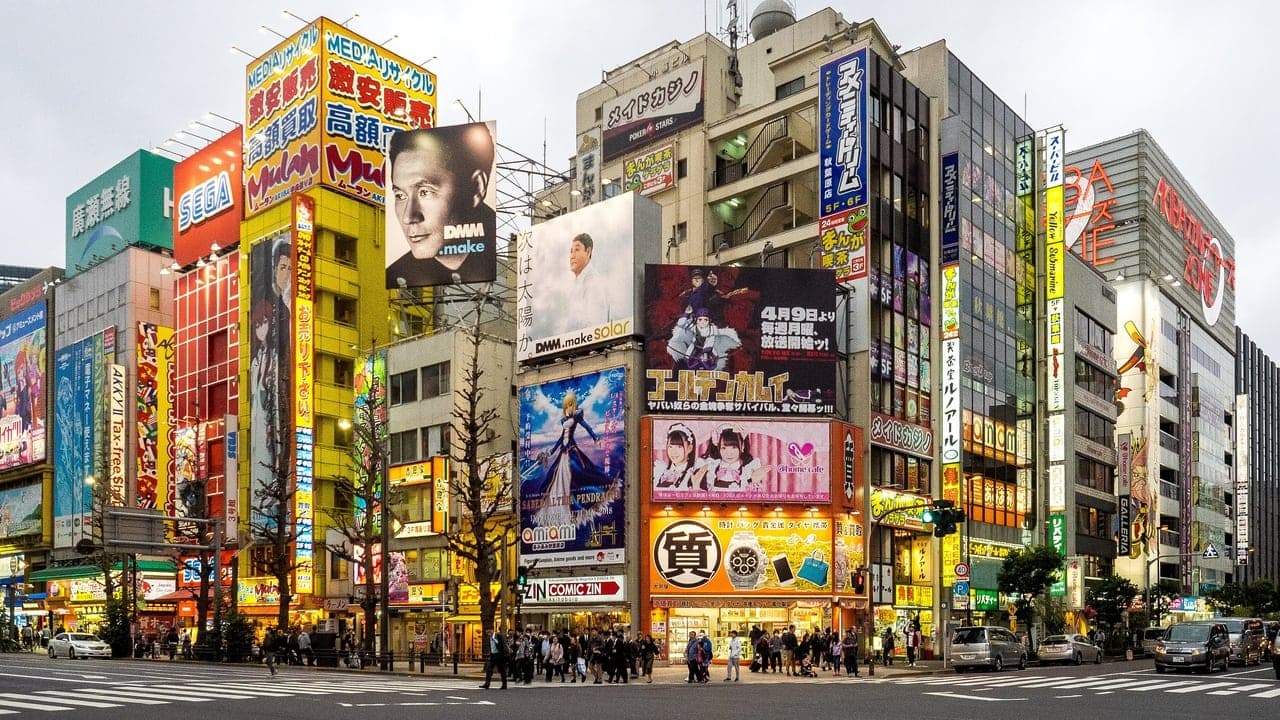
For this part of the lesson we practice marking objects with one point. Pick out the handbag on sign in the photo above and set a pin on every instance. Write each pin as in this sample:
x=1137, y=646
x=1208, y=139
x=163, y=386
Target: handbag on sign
x=815, y=568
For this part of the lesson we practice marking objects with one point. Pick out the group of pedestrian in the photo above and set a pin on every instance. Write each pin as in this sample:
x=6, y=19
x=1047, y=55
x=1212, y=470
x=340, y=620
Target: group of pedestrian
x=601, y=653
x=292, y=647
x=911, y=638
x=802, y=654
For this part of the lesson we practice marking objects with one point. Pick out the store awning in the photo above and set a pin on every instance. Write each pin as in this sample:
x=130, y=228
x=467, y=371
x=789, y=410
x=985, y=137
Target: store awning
x=74, y=572
x=180, y=595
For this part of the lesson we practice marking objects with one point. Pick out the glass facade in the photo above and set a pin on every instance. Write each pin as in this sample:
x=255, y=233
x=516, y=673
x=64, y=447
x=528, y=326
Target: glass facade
x=1258, y=461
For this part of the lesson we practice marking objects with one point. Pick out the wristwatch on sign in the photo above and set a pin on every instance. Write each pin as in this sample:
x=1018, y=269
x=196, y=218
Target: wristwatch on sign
x=744, y=560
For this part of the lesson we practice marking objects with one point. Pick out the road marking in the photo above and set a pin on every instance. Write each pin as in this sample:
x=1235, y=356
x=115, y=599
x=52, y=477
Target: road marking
x=1255, y=686
x=452, y=697
x=182, y=696
x=1063, y=697
x=30, y=706
x=1267, y=693
x=958, y=696
x=64, y=700
x=111, y=697
x=1222, y=692
x=218, y=692
x=1204, y=686
x=1165, y=685
x=1247, y=672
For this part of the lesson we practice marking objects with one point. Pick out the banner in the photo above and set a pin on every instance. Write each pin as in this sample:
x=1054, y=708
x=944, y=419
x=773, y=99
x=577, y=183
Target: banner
x=843, y=189
x=950, y=209
x=739, y=340
x=23, y=363
x=722, y=555
x=650, y=173
x=576, y=590
x=588, y=166
x=304, y=212
x=21, y=510
x=661, y=107
x=737, y=460
x=573, y=467
x=73, y=442
x=440, y=211
x=271, y=390
x=117, y=425
x=209, y=187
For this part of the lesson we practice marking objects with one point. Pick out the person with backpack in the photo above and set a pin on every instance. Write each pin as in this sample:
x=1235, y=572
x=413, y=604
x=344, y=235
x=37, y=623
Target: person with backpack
x=706, y=652
x=498, y=652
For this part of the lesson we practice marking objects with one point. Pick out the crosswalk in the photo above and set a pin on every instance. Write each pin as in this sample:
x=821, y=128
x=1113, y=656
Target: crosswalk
x=76, y=696
x=1137, y=682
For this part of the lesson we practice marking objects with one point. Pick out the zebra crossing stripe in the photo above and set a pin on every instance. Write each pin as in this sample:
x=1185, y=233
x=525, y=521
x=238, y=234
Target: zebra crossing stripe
x=1201, y=686
x=1255, y=686
x=30, y=706
x=64, y=701
x=108, y=696
x=292, y=688
x=124, y=691
x=1165, y=685
x=218, y=692
x=1267, y=693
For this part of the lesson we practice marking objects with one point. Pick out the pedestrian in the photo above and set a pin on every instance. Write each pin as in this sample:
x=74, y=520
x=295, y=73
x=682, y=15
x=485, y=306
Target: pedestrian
x=270, y=645
x=705, y=653
x=761, y=650
x=648, y=651
x=913, y=644
x=528, y=655
x=498, y=652
x=28, y=638
x=621, y=660
x=849, y=651
x=888, y=644
x=555, y=659
x=597, y=656
x=835, y=650
x=692, y=649
x=171, y=640
x=775, y=651
x=735, y=655
x=790, y=643
x=304, y=648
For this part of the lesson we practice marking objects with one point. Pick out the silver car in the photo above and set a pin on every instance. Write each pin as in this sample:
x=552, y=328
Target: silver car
x=986, y=646
x=1204, y=646
x=1069, y=649
x=78, y=645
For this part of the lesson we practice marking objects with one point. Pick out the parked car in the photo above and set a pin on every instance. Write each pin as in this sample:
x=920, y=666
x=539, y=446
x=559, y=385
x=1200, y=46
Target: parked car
x=1203, y=645
x=1248, y=639
x=78, y=645
x=1151, y=636
x=986, y=646
x=1069, y=649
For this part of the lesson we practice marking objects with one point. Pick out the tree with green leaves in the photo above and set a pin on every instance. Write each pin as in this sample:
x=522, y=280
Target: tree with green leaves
x=1110, y=597
x=1028, y=572
x=1258, y=598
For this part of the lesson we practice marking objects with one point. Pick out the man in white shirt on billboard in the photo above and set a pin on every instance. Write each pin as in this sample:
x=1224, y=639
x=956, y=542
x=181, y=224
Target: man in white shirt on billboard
x=588, y=302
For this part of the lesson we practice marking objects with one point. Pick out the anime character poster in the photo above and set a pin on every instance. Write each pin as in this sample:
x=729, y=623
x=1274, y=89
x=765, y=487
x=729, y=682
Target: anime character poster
x=738, y=460
x=739, y=340
x=572, y=470
x=270, y=387
x=22, y=381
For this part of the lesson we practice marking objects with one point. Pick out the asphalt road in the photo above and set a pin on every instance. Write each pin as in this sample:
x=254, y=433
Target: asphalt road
x=35, y=686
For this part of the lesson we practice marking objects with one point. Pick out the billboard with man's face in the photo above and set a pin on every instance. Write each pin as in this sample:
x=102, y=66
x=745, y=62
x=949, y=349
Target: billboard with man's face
x=579, y=274
x=441, y=202
x=22, y=387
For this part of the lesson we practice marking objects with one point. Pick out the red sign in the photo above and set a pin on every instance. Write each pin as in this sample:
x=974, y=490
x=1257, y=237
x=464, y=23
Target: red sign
x=1089, y=220
x=209, y=201
x=575, y=590
x=1206, y=270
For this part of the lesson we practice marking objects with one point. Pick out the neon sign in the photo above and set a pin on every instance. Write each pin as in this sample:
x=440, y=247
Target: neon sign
x=1206, y=270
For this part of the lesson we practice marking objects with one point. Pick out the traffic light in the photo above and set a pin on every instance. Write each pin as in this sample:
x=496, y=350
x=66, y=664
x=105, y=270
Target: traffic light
x=929, y=516
x=944, y=515
x=522, y=576
x=860, y=582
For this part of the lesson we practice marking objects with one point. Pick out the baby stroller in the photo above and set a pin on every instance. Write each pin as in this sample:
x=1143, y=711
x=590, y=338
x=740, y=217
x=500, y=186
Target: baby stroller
x=806, y=668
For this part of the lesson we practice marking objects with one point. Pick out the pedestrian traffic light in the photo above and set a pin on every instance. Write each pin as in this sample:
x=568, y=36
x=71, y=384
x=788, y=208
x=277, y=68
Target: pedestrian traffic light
x=522, y=576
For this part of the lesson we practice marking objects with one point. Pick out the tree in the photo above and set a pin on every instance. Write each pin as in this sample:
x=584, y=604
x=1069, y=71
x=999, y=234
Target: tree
x=482, y=488
x=272, y=525
x=1028, y=572
x=115, y=629
x=1110, y=597
x=1162, y=596
x=1258, y=598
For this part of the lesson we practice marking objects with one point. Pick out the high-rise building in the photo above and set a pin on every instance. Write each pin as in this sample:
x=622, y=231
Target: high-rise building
x=1255, y=500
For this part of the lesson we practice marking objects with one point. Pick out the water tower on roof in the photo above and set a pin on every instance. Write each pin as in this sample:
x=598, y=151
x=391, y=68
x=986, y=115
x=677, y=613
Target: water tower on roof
x=771, y=16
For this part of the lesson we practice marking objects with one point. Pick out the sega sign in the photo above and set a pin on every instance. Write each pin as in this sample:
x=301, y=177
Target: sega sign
x=208, y=187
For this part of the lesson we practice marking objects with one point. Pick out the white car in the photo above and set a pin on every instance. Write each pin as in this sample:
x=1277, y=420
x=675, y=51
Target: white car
x=78, y=645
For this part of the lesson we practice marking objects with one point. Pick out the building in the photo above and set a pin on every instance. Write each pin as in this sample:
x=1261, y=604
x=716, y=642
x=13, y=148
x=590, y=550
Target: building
x=1138, y=220
x=1256, y=498
x=12, y=276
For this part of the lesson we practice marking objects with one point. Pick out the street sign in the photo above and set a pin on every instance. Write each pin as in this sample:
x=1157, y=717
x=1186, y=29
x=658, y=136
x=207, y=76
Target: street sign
x=960, y=588
x=962, y=570
x=1210, y=552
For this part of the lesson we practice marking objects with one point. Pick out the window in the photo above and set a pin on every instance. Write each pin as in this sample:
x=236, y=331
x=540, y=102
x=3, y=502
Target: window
x=682, y=231
x=1094, y=380
x=155, y=298
x=789, y=88
x=338, y=568
x=343, y=372
x=1093, y=522
x=403, y=388
x=344, y=249
x=435, y=440
x=344, y=310
x=682, y=167
x=612, y=189
x=599, y=113
x=1092, y=332
x=435, y=380
x=1094, y=474
x=342, y=435
x=1095, y=427
x=404, y=447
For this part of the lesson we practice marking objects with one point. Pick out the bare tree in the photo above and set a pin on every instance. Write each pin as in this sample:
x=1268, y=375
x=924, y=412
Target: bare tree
x=272, y=525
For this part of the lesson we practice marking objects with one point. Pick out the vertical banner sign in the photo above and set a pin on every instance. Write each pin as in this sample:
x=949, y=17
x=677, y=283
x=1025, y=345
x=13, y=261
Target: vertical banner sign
x=231, y=474
x=371, y=414
x=1075, y=582
x=951, y=554
x=842, y=178
x=1185, y=440
x=147, y=418
x=165, y=359
x=950, y=444
x=304, y=209
x=950, y=208
x=99, y=398
x=1057, y=358
x=1242, y=479
x=117, y=425
x=72, y=433
x=1124, y=468
x=588, y=167
x=23, y=353
x=1057, y=530
x=1055, y=365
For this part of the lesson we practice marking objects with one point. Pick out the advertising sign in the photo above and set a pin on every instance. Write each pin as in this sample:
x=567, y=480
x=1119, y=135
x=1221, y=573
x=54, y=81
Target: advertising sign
x=890, y=432
x=739, y=340
x=21, y=510
x=318, y=108
x=23, y=363
x=1208, y=268
x=843, y=188
x=304, y=211
x=436, y=473
x=650, y=173
x=209, y=187
x=1124, y=471
x=151, y=409
x=950, y=208
x=573, y=467
x=579, y=275
x=588, y=166
x=188, y=478
x=370, y=414
x=1075, y=582
x=850, y=552
x=73, y=441
x=738, y=460
x=721, y=555
x=1243, y=469
x=895, y=509
x=576, y=590
x=661, y=107
x=130, y=204
x=441, y=205
x=271, y=278
x=117, y=397
x=258, y=591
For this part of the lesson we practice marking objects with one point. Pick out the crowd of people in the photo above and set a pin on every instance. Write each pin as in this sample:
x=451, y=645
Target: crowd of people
x=601, y=654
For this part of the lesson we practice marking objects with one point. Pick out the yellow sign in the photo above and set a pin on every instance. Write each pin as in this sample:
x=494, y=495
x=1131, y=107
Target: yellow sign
x=886, y=504
x=1055, y=249
x=425, y=593
x=917, y=596
x=258, y=591
x=950, y=545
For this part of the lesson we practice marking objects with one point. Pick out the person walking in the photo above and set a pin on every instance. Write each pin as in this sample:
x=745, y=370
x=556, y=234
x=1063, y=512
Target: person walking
x=692, y=649
x=849, y=651
x=913, y=644
x=732, y=672
x=790, y=643
x=835, y=651
x=888, y=643
x=304, y=648
x=555, y=659
x=270, y=646
x=648, y=651
x=498, y=652
x=775, y=651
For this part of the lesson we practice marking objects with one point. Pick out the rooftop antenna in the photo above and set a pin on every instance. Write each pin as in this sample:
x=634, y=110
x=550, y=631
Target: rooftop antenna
x=732, y=7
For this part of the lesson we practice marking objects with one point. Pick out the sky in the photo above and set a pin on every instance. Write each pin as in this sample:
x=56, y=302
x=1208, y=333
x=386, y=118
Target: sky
x=90, y=82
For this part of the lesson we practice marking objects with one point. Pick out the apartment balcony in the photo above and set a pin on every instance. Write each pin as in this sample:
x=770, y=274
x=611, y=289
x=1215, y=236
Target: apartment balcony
x=781, y=207
x=775, y=146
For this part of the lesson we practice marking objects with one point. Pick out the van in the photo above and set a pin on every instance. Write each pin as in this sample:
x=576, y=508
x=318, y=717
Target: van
x=1248, y=639
x=986, y=646
x=1193, y=646
x=1151, y=636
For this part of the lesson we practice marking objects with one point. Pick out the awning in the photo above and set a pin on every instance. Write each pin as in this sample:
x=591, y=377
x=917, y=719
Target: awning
x=77, y=572
x=180, y=595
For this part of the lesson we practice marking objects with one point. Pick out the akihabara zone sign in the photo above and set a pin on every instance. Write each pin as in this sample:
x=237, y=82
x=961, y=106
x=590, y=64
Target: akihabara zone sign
x=1207, y=270
x=557, y=591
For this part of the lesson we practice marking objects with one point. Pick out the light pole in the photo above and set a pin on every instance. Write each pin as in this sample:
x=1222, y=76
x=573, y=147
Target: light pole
x=1147, y=578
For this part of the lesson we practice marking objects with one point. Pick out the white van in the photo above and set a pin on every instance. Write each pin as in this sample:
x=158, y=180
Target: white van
x=986, y=646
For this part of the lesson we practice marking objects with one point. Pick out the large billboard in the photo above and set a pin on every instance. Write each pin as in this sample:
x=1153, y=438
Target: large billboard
x=441, y=206
x=21, y=510
x=579, y=275
x=130, y=204
x=73, y=441
x=23, y=348
x=318, y=109
x=844, y=191
x=756, y=341
x=572, y=456
x=209, y=192
x=737, y=460
x=271, y=277
x=661, y=107
x=304, y=211
x=651, y=172
x=152, y=413
x=737, y=554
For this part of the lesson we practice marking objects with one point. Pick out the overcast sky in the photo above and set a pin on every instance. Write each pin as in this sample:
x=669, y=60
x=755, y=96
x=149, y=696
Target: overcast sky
x=89, y=82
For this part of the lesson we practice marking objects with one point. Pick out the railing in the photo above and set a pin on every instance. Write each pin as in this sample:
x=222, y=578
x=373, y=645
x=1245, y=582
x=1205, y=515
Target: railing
x=775, y=129
x=1169, y=537
x=775, y=197
x=1169, y=490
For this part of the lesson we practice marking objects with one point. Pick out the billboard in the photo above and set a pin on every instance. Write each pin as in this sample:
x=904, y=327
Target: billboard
x=659, y=108
x=370, y=413
x=739, y=340
x=318, y=109
x=73, y=441
x=189, y=490
x=950, y=208
x=737, y=460
x=441, y=206
x=304, y=211
x=843, y=188
x=23, y=360
x=588, y=163
x=152, y=409
x=650, y=173
x=572, y=469
x=720, y=555
x=271, y=277
x=21, y=510
x=127, y=205
x=209, y=187
x=579, y=274
x=117, y=426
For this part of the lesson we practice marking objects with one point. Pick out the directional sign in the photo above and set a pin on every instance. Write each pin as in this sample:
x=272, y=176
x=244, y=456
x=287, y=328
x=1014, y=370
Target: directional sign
x=1210, y=552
